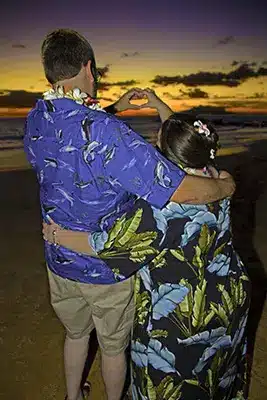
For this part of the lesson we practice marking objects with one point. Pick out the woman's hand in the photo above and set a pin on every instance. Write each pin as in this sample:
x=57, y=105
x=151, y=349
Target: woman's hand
x=153, y=101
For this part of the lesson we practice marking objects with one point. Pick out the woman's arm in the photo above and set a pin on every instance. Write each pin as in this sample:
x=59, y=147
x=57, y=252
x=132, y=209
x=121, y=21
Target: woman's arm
x=73, y=240
x=153, y=101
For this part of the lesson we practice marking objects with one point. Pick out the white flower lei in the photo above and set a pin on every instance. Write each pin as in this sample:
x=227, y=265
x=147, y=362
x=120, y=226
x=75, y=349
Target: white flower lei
x=76, y=95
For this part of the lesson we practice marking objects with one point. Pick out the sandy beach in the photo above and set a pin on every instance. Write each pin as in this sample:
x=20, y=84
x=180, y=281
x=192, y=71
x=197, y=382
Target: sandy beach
x=31, y=337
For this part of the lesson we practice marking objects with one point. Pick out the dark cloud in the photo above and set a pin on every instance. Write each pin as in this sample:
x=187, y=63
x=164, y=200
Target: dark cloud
x=233, y=78
x=250, y=64
x=260, y=104
x=235, y=63
x=132, y=54
x=122, y=84
x=207, y=110
x=258, y=95
x=196, y=93
x=226, y=40
x=223, y=97
x=103, y=71
x=18, y=46
x=18, y=98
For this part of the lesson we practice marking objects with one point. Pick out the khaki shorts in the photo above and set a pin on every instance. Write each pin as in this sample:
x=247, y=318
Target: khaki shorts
x=81, y=307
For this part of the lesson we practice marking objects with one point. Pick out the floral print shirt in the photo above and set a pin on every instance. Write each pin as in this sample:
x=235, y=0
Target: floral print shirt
x=91, y=166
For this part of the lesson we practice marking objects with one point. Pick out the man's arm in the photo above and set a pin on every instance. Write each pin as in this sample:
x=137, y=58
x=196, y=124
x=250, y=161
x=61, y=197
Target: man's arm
x=200, y=190
x=139, y=168
x=124, y=102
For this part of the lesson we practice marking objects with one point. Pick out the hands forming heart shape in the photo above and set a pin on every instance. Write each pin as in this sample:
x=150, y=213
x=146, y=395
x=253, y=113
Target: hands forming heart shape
x=150, y=97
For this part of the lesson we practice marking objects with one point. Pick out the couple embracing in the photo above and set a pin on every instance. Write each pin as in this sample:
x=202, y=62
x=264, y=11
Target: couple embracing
x=138, y=239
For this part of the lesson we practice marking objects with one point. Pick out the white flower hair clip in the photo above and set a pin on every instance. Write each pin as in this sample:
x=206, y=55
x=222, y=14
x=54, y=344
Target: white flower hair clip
x=212, y=154
x=202, y=128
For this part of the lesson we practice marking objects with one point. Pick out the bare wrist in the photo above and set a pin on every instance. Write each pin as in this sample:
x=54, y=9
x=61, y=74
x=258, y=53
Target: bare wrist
x=55, y=234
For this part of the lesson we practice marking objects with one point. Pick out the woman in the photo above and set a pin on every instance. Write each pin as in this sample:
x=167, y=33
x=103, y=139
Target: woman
x=191, y=291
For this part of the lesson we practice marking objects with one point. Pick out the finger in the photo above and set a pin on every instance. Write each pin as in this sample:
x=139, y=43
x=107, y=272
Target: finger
x=139, y=93
x=147, y=89
x=134, y=106
x=49, y=219
x=136, y=96
x=133, y=90
x=147, y=105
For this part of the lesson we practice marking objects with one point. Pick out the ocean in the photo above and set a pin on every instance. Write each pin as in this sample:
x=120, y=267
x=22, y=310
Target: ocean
x=237, y=132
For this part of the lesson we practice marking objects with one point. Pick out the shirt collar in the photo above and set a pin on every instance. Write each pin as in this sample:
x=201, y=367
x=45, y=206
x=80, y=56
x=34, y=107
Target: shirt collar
x=59, y=104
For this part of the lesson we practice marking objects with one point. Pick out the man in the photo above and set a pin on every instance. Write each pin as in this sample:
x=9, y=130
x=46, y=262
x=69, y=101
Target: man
x=89, y=165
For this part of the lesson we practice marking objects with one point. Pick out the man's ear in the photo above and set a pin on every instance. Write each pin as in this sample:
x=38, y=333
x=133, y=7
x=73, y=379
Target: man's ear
x=88, y=71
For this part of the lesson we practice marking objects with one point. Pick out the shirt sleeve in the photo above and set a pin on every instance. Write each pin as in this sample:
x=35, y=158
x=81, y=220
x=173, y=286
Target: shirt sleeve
x=133, y=163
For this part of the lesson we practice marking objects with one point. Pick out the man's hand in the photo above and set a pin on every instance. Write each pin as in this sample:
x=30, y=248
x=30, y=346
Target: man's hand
x=153, y=101
x=124, y=103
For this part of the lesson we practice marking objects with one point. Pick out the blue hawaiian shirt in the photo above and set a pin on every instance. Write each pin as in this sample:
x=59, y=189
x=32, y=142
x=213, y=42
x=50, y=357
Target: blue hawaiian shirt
x=91, y=166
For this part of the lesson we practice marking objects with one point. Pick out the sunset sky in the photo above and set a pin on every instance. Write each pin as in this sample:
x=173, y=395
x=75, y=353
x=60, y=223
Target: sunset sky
x=193, y=53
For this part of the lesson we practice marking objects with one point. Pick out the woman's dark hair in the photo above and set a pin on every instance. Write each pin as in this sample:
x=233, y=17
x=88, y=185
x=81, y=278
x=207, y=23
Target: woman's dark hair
x=182, y=143
x=64, y=52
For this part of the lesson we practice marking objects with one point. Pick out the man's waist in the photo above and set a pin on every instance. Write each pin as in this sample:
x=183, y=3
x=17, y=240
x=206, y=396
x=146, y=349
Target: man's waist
x=77, y=267
x=88, y=219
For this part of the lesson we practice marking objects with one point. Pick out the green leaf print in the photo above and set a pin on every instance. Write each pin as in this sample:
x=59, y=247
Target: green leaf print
x=160, y=260
x=239, y=396
x=244, y=277
x=151, y=390
x=129, y=228
x=137, y=282
x=193, y=382
x=233, y=294
x=238, y=293
x=219, y=249
x=167, y=391
x=198, y=260
x=157, y=333
x=212, y=237
x=174, y=394
x=199, y=304
x=139, y=253
x=142, y=302
x=220, y=312
x=226, y=300
x=179, y=254
x=186, y=306
x=208, y=318
x=212, y=377
x=205, y=239
x=117, y=227
x=165, y=386
x=141, y=240
x=210, y=381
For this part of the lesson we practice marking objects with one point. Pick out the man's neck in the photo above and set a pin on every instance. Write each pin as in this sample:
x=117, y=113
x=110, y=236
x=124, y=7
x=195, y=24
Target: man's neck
x=71, y=84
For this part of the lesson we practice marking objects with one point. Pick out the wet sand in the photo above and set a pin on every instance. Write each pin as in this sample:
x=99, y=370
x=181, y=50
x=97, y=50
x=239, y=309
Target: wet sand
x=31, y=337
